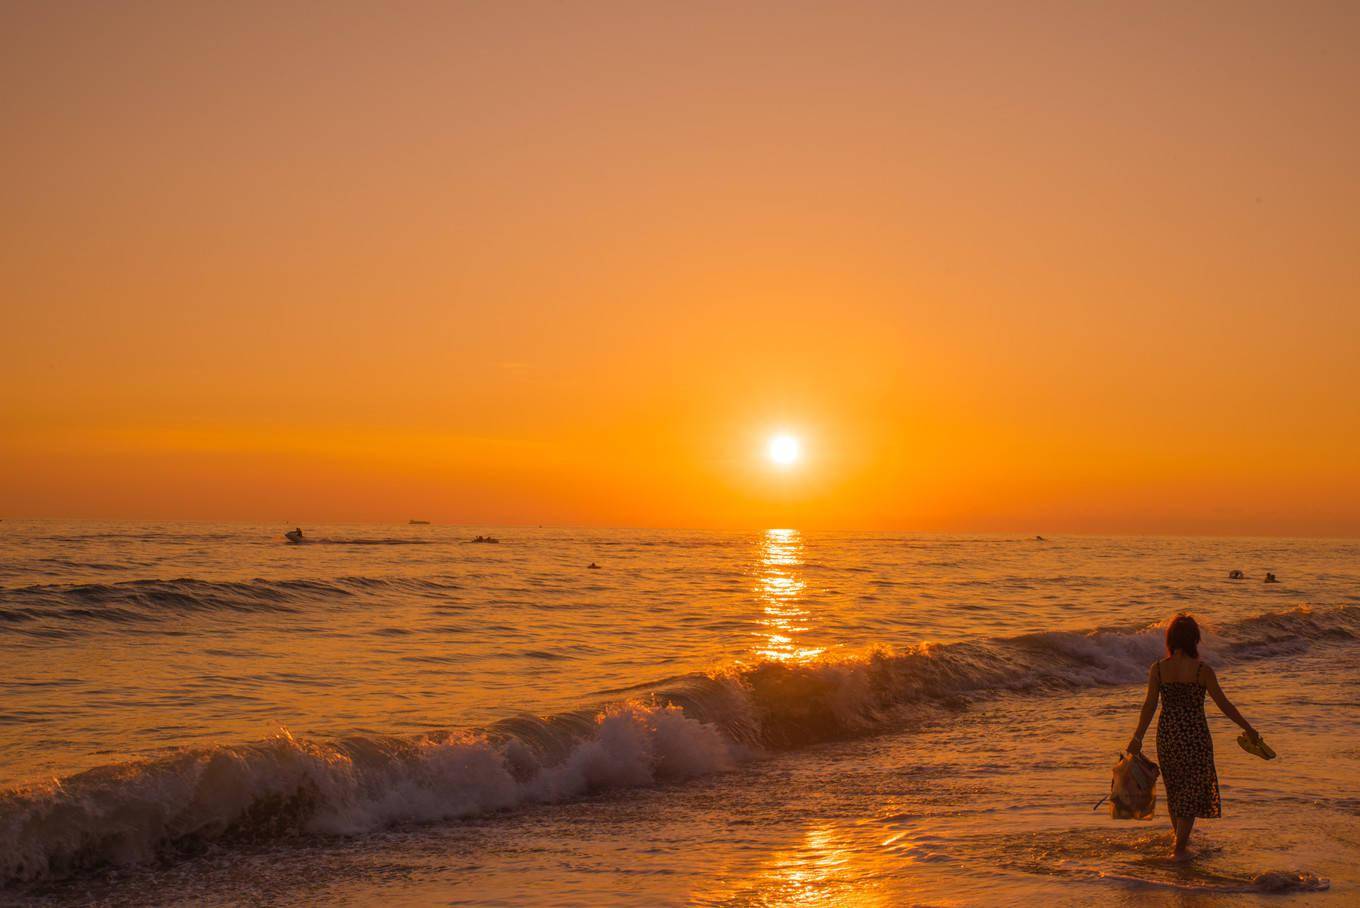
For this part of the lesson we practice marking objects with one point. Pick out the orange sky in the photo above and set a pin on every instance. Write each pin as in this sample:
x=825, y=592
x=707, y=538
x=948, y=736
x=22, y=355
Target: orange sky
x=1026, y=267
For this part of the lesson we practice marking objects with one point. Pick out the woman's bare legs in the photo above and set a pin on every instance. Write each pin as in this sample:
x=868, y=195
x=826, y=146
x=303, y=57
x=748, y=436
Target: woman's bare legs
x=1182, y=825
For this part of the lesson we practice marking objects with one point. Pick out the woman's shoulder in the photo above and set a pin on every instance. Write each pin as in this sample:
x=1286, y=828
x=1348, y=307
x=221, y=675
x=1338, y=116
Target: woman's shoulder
x=1204, y=674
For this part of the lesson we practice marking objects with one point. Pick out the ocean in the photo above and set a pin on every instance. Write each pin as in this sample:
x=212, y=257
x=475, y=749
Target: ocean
x=205, y=713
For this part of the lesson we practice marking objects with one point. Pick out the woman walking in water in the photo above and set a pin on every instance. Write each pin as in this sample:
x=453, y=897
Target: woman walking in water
x=1185, y=750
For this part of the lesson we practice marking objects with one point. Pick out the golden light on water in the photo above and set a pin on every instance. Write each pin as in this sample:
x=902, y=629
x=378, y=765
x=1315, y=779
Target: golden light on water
x=824, y=867
x=780, y=589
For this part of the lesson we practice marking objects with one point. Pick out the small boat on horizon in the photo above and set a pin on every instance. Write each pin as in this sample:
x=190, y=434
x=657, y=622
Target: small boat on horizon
x=418, y=523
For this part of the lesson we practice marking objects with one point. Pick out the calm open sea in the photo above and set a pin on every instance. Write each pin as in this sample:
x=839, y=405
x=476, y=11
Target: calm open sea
x=206, y=713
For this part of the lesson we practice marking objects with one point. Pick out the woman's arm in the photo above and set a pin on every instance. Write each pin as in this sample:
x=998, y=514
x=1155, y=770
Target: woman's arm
x=1211, y=684
x=1149, y=708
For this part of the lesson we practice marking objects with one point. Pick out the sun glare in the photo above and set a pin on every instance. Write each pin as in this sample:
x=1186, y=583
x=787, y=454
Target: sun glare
x=784, y=450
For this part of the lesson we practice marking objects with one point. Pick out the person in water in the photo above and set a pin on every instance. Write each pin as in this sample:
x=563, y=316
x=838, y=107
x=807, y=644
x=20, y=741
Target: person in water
x=1185, y=749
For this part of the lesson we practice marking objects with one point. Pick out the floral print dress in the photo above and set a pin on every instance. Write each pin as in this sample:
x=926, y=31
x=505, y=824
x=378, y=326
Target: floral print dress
x=1185, y=750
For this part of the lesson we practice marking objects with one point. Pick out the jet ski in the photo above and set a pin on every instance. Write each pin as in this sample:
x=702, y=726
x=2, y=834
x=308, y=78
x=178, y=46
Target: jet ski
x=293, y=536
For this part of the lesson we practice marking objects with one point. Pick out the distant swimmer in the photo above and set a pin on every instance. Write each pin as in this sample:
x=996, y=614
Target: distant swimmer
x=1270, y=578
x=1236, y=575
x=485, y=539
x=593, y=566
x=294, y=535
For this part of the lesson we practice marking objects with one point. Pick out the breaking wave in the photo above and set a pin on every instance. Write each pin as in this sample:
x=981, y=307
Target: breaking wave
x=689, y=726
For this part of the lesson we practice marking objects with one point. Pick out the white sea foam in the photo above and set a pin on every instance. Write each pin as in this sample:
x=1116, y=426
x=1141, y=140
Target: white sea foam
x=137, y=811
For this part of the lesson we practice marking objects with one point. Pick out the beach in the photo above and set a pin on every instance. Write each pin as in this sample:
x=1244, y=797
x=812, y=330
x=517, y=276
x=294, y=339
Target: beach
x=650, y=454
x=392, y=713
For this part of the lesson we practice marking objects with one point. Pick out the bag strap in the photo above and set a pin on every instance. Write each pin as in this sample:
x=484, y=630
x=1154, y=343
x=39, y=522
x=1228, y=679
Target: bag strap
x=1107, y=797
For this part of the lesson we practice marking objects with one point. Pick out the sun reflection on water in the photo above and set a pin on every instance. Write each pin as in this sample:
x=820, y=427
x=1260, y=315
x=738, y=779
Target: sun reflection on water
x=823, y=868
x=780, y=586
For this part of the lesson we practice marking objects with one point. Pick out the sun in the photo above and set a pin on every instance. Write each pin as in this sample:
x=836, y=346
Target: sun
x=784, y=450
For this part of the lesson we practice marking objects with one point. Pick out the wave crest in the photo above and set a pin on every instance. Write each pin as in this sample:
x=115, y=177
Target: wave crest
x=138, y=812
